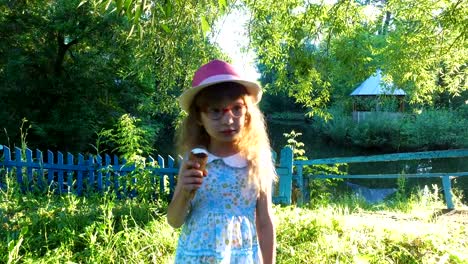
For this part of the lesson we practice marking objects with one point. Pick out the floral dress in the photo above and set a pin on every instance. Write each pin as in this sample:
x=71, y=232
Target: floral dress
x=220, y=227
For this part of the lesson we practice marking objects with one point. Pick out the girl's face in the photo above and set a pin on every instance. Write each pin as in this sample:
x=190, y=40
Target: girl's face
x=224, y=121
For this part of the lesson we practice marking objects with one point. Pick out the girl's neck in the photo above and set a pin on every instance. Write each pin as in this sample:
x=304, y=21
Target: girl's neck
x=223, y=150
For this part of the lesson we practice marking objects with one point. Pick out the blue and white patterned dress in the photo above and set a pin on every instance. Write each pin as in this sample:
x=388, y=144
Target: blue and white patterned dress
x=220, y=227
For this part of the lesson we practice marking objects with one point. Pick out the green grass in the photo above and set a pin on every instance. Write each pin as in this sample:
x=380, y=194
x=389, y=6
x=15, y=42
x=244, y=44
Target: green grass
x=61, y=229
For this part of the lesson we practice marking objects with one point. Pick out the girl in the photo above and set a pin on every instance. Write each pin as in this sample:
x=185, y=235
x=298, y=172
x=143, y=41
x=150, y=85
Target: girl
x=229, y=220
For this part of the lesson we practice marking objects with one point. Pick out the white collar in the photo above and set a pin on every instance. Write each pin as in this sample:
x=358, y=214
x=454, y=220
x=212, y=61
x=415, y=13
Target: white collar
x=236, y=160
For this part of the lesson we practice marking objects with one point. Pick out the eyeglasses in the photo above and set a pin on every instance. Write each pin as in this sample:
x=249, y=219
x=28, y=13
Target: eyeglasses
x=215, y=113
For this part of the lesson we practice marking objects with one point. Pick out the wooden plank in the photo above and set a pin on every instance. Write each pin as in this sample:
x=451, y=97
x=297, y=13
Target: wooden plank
x=40, y=170
x=388, y=157
x=70, y=173
x=388, y=176
x=91, y=171
x=116, y=176
x=149, y=165
x=79, y=180
x=162, y=187
x=285, y=179
x=18, y=161
x=29, y=170
x=172, y=165
x=51, y=172
x=99, y=172
x=61, y=188
x=107, y=159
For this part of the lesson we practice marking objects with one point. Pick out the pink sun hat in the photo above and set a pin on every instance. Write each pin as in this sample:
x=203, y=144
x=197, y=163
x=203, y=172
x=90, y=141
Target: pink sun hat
x=217, y=71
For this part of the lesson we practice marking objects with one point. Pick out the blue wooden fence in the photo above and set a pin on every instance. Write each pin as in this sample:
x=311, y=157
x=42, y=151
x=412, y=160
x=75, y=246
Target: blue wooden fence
x=83, y=173
x=91, y=173
x=103, y=173
x=296, y=168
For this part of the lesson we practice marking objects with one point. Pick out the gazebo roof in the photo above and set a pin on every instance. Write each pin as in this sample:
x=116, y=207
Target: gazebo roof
x=374, y=85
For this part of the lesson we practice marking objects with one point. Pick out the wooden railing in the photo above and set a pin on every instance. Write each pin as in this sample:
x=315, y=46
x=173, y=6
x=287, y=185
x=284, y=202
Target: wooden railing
x=292, y=169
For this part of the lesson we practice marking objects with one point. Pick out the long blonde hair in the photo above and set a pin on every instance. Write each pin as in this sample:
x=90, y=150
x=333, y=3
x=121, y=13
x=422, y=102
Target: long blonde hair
x=253, y=143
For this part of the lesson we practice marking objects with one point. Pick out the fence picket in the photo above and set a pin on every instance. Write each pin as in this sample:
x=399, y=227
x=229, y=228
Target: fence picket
x=91, y=170
x=7, y=158
x=50, y=172
x=19, y=173
x=29, y=169
x=116, y=174
x=108, y=173
x=161, y=176
x=40, y=170
x=79, y=180
x=171, y=164
x=70, y=173
x=152, y=162
x=61, y=186
x=99, y=172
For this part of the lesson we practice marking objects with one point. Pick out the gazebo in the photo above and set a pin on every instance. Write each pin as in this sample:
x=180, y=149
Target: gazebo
x=374, y=90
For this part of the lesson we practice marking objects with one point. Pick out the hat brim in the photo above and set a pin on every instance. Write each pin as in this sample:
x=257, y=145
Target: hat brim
x=186, y=98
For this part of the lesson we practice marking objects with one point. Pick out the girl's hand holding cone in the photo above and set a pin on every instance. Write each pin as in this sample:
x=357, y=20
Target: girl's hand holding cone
x=194, y=172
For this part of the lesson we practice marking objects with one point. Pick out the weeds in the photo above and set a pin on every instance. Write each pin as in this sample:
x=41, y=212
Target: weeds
x=55, y=228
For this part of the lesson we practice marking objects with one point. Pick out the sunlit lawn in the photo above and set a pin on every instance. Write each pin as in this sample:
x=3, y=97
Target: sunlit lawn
x=60, y=229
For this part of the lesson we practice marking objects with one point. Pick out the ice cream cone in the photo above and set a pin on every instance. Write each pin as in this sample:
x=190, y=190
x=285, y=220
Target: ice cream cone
x=200, y=156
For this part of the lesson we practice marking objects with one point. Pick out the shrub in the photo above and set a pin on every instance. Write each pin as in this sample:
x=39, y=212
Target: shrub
x=435, y=129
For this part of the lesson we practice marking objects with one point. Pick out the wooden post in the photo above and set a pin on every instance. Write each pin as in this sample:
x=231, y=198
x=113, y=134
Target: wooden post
x=285, y=171
x=448, y=192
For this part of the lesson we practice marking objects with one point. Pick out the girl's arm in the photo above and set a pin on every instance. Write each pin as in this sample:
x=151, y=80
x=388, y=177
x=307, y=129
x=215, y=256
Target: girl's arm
x=265, y=228
x=189, y=179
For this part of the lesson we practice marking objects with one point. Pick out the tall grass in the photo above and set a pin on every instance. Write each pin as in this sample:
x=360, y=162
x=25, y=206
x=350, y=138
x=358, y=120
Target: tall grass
x=93, y=229
x=337, y=235
x=102, y=229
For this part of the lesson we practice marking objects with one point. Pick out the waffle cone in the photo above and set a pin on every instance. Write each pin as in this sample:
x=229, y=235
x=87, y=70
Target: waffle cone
x=200, y=158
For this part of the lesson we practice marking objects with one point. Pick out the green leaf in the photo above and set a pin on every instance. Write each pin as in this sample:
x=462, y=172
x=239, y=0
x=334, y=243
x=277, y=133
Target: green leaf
x=108, y=4
x=168, y=9
x=222, y=4
x=127, y=5
x=119, y=5
x=204, y=25
x=166, y=28
x=136, y=18
x=82, y=3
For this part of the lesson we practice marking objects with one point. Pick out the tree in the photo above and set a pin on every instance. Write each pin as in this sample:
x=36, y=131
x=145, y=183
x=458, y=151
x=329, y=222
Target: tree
x=321, y=51
x=72, y=68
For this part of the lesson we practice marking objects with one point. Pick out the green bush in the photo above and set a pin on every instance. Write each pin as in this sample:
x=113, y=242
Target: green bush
x=435, y=129
x=432, y=129
x=382, y=132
